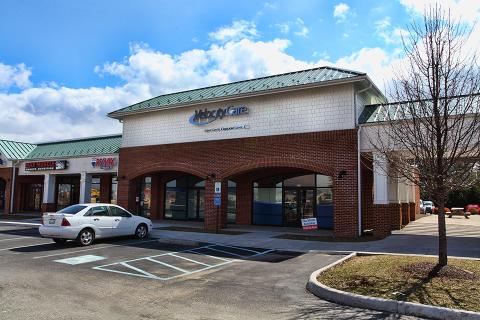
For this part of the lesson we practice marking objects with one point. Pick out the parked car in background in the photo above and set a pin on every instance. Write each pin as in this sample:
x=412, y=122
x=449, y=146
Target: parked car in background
x=422, y=209
x=472, y=208
x=87, y=222
x=428, y=207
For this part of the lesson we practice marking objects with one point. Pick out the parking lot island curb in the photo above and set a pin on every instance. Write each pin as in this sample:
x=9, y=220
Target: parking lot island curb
x=407, y=308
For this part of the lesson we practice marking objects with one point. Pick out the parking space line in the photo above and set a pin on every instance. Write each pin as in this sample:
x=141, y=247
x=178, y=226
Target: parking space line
x=191, y=260
x=21, y=223
x=227, y=252
x=94, y=248
x=19, y=247
x=167, y=265
x=207, y=255
x=148, y=274
x=239, y=248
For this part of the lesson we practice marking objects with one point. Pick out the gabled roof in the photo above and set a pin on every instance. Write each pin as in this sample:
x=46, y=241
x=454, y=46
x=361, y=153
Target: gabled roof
x=297, y=79
x=77, y=147
x=14, y=150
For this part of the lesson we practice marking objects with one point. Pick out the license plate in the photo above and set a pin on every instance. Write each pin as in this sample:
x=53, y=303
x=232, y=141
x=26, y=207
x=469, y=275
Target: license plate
x=51, y=221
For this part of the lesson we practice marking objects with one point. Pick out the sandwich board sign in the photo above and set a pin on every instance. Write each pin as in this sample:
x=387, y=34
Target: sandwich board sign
x=309, y=224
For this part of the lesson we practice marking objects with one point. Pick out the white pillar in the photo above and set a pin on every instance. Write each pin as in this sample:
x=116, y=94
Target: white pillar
x=49, y=188
x=380, y=179
x=85, y=187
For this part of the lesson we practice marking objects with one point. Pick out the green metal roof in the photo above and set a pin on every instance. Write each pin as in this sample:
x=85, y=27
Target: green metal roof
x=14, y=150
x=77, y=148
x=240, y=88
x=400, y=110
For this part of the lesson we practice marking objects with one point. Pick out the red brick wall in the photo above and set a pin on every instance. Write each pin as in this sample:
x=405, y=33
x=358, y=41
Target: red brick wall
x=322, y=152
x=6, y=174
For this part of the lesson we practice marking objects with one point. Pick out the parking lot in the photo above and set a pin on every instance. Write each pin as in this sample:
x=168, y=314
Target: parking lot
x=127, y=278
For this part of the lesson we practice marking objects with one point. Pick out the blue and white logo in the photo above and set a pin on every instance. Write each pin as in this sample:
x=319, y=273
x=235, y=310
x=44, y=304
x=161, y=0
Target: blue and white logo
x=205, y=116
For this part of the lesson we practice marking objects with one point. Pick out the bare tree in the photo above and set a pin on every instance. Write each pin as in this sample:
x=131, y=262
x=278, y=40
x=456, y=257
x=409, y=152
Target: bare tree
x=432, y=136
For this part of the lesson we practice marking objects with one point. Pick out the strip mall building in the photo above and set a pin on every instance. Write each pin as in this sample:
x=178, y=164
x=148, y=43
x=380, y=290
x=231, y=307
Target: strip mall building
x=266, y=151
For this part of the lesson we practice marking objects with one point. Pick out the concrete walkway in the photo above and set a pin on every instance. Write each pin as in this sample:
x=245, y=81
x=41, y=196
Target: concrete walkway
x=457, y=226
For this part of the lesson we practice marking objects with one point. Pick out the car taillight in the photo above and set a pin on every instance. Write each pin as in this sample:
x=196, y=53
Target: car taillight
x=65, y=222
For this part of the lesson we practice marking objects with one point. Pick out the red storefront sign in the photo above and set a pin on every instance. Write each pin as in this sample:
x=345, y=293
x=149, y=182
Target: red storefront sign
x=104, y=163
x=46, y=165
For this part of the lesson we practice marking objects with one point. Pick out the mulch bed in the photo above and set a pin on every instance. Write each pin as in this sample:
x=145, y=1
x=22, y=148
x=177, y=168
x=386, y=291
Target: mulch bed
x=426, y=269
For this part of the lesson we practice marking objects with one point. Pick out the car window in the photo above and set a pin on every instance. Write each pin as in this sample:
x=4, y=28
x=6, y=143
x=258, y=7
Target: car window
x=97, y=212
x=119, y=212
x=73, y=209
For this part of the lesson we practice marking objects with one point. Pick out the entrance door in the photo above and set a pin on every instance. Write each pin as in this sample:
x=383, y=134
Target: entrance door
x=68, y=191
x=298, y=204
x=33, y=197
x=2, y=194
x=196, y=204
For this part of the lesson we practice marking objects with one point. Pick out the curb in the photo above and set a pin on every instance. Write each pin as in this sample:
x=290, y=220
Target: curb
x=407, y=308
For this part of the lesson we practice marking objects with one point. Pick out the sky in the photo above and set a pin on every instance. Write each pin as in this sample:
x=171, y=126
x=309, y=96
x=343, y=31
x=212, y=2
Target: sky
x=65, y=64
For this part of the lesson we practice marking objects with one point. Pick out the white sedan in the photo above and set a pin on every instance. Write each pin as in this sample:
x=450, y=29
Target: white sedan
x=90, y=221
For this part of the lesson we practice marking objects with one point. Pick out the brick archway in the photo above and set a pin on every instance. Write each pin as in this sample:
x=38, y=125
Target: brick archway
x=163, y=166
x=273, y=162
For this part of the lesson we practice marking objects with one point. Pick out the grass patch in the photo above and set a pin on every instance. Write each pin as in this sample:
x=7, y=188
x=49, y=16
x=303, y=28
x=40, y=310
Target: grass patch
x=293, y=236
x=201, y=230
x=409, y=279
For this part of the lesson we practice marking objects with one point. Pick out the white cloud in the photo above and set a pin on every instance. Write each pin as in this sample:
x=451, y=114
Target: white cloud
x=465, y=10
x=303, y=30
x=18, y=76
x=340, y=11
x=384, y=30
x=238, y=30
x=283, y=27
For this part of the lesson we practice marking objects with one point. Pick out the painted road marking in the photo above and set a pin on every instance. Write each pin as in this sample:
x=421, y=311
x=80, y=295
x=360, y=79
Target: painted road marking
x=156, y=259
x=94, y=248
x=80, y=259
x=21, y=223
x=227, y=252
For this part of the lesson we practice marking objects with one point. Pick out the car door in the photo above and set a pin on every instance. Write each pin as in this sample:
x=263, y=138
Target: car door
x=100, y=217
x=123, y=222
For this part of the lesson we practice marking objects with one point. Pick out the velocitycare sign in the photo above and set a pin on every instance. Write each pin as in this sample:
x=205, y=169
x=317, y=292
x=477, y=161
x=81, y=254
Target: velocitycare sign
x=204, y=116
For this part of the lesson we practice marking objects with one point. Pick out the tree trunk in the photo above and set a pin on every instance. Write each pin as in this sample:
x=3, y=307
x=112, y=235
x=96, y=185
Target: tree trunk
x=442, y=232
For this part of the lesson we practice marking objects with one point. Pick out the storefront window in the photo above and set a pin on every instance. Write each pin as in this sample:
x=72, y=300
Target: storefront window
x=185, y=198
x=145, y=196
x=95, y=190
x=232, y=202
x=267, y=202
x=113, y=194
x=68, y=191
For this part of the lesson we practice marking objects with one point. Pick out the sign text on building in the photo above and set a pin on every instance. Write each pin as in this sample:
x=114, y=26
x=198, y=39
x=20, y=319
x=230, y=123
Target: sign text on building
x=46, y=165
x=104, y=163
x=205, y=116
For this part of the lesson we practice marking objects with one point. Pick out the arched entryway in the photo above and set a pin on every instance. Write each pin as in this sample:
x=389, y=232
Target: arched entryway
x=3, y=185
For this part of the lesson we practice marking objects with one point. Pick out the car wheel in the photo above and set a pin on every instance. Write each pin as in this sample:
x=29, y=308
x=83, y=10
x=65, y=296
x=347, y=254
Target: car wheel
x=59, y=241
x=142, y=231
x=86, y=237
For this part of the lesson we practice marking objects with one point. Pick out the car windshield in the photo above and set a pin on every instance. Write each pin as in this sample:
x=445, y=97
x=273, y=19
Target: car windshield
x=428, y=203
x=73, y=209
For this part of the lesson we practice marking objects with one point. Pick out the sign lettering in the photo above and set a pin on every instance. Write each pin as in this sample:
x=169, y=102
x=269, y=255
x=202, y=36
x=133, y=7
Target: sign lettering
x=205, y=116
x=46, y=165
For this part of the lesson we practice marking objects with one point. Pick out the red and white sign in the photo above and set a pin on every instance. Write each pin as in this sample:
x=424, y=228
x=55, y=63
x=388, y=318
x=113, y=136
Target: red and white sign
x=309, y=224
x=46, y=165
x=104, y=163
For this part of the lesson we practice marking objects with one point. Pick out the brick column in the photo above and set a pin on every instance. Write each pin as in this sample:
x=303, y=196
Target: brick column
x=215, y=217
x=244, y=200
x=345, y=205
x=105, y=188
x=126, y=194
x=412, y=206
x=396, y=215
x=155, y=201
x=405, y=213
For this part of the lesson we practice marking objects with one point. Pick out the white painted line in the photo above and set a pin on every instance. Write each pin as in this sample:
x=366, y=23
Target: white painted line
x=239, y=248
x=227, y=252
x=21, y=223
x=198, y=270
x=191, y=260
x=94, y=248
x=148, y=274
x=167, y=265
x=207, y=255
x=16, y=238
x=32, y=245
x=127, y=273
x=80, y=259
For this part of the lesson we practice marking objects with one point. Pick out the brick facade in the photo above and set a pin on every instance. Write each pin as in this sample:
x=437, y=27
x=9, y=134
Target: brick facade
x=326, y=153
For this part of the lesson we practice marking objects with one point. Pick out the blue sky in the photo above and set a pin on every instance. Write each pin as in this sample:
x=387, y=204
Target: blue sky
x=65, y=64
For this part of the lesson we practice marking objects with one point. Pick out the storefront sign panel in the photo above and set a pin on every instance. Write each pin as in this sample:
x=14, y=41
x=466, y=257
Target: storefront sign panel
x=104, y=163
x=309, y=224
x=46, y=165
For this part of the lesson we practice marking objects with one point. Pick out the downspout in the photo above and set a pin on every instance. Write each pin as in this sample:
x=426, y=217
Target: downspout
x=13, y=185
x=359, y=163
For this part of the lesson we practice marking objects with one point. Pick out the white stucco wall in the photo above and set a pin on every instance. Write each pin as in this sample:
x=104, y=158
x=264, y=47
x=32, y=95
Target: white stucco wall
x=312, y=110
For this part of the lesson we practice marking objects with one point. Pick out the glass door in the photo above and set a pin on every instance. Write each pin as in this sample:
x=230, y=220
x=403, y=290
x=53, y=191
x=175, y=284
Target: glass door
x=299, y=203
x=33, y=199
